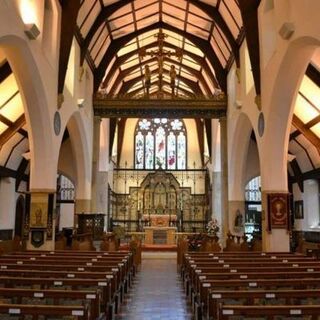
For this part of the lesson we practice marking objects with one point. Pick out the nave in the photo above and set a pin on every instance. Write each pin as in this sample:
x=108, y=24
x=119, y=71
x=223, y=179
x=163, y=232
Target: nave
x=157, y=292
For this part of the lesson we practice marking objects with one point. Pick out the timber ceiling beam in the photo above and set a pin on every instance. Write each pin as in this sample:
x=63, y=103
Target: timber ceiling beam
x=9, y=123
x=122, y=74
x=201, y=61
x=113, y=49
x=309, y=135
x=215, y=15
x=102, y=17
x=313, y=73
x=249, y=14
x=121, y=60
x=9, y=173
x=160, y=108
x=21, y=172
x=127, y=71
x=205, y=47
x=297, y=173
x=126, y=85
x=69, y=14
x=202, y=44
x=135, y=92
x=11, y=131
x=5, y=71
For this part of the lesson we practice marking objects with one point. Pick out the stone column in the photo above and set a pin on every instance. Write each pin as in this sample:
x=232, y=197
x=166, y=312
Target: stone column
x=95, y=165
x=99, y=191
x=224, y=178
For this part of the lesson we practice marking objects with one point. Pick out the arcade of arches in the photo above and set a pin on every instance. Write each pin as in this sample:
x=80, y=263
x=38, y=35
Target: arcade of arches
x=156, y=117
x=110, y=147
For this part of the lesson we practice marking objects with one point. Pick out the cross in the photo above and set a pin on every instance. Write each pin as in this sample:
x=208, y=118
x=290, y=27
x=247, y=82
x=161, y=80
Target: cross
x=160, y=53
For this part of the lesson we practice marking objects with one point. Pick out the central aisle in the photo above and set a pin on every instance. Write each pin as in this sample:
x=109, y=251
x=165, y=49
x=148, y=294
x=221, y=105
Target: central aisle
x=157, y=293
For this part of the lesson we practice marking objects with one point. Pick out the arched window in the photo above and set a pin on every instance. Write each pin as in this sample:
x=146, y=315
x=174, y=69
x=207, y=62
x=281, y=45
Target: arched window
x=160, y=144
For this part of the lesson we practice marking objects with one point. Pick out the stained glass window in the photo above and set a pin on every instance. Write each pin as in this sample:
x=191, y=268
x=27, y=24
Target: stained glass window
x=160, y=143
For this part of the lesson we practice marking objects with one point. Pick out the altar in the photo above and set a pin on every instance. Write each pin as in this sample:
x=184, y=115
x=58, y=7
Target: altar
x=160, y=230
x=159, y=235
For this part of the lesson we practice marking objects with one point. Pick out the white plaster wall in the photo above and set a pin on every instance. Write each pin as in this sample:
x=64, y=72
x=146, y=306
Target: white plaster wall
x=66, y=215
x=311, y=209
x=253, y=162
x=66, y=161
x=8, y=203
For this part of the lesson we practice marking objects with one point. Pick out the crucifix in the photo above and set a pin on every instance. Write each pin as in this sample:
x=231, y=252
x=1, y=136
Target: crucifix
x=160, y=54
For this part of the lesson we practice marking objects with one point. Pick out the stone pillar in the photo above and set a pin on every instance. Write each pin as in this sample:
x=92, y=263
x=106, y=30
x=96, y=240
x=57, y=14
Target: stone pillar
x=276, y=239
x=95, y=164
x=224, y=178
x=99, y=193
x=39, y=224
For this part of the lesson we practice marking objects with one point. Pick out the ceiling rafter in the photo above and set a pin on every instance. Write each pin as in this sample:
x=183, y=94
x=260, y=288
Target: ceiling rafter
x=221, y=73
x=112, y=50
x=21, y=172
x=313, y=73
x=215, y=15
x=122, y=74
x=122, y=59
x=137, y=91
x=205, y=47
x=69, y=14
x=9, y=123
x=297, y=173
x=127, y=71
x=312, y=137
x=249, y=14
x=5, y=71
x=10, y=132
x=10, y=173
x=126, y=85
x=104, y=14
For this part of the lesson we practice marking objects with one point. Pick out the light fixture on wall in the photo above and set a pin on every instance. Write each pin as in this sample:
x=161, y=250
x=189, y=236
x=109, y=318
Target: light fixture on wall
x=31, y=30
x=81, y=102
x=287, y=30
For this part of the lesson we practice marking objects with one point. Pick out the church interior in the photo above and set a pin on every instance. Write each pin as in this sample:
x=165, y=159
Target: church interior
x=159, y=160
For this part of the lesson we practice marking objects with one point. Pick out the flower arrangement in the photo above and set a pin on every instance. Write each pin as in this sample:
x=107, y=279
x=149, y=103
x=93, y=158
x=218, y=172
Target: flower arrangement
x=213, y=227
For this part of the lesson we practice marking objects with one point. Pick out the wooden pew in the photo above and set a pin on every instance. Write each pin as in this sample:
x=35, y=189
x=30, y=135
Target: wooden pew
x=77, y=312
x=109, y=269
x=93, y=298
x=268, y=311
x=202, y=271
x=217, y=298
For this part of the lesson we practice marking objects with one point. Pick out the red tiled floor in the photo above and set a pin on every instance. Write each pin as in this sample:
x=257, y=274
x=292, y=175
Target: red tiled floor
x=157, y=293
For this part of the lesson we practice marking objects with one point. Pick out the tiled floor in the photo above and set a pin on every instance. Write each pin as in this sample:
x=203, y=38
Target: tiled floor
x=157, y=293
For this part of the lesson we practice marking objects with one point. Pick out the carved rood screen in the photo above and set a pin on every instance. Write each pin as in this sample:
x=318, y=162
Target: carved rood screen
x=181, y=199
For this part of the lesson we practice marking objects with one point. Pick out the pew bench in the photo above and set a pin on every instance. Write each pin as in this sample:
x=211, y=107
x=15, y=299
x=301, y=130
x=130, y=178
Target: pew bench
x=86, y=297
x=228, y=312
x=76, y=312
x=217, y=298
